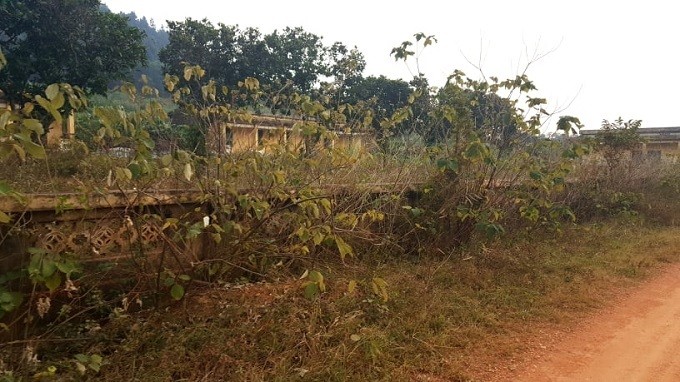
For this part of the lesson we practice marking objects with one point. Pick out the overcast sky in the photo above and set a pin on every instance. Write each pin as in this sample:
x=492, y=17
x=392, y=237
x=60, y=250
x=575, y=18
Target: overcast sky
x=608, y=59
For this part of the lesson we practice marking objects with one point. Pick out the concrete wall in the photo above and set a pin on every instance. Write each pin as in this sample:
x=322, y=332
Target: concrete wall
x=243, y=138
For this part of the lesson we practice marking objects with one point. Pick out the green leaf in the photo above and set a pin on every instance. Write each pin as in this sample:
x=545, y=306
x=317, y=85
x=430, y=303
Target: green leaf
x=53, y=282
x=177, y=292
x=123, y=174
x=5, y=189
x=34, y=125
x=58, y=102
x=48, y=268
x=184, y=277
x=20, y=152
x=9, y=301
x=316, y=276
x=52, y=91
x=476, y=150
x=318, y=237
x=47, y=105
x=4, y=218
x=311, y=290
x=135, y=170
x=67, y=267
x=95, y=362
x=166, y=160
x=34, y=150
x=344, y=248
x=448, y=164
x=194, y=230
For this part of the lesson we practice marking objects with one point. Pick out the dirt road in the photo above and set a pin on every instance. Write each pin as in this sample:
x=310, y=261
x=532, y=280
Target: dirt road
x=636, y=339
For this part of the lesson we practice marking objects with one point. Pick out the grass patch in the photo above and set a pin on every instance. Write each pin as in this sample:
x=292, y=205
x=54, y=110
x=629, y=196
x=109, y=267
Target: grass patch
x=445, y=318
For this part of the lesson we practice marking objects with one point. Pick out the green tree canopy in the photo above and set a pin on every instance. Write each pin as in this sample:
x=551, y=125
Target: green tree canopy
x=616, y=139
x=290, y=57
x=51, y=41
x=495, y=118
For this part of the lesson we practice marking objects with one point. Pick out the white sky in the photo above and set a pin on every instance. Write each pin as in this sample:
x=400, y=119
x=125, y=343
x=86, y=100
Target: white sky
x=612, y=58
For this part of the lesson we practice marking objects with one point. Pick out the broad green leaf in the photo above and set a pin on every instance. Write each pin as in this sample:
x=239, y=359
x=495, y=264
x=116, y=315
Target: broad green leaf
x=311, y=290
x=34, y=150
x=318, y=237
x=95, y=362
x=135, y=170
x=194, y=230
x=170, y=82
x=476, y=150
x=20, y=151
x=53, y=282
x=52, y=91
x=177, y=292
x=4, y=218
x=9, y=301
x=34, y=125
x=123, y=174
x=316, y=276
x=344, y=248
x=47, y=106
x=48, y=267
x=166, y=160
x=67, y=267
x=326, y=204
x=58, y=101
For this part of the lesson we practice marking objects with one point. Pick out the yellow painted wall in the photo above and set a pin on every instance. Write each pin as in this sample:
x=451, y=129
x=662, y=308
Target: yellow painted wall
x=243, y=139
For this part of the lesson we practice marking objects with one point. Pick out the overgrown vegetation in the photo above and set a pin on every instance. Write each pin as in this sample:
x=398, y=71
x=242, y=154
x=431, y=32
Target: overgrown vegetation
x=415, y=250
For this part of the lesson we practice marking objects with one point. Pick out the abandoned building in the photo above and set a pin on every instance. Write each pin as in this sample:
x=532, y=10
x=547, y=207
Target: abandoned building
x=658, y=142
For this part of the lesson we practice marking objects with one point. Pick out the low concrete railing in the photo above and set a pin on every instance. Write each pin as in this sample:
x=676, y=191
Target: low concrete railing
x=100, y=226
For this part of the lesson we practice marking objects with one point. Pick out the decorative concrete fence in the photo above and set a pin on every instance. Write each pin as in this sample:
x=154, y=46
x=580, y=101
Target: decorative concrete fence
x=94, y=227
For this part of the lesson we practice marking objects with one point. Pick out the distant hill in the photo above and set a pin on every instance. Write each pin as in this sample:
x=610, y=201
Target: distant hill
x=155, y=40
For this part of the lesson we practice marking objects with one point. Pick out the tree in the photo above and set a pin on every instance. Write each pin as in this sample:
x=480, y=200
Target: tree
x=292, y=58
x=295, y=56
x=200, y=43
x=383, y=95
x=616, y=140
x=388, y=94
x=72, y=41
x=345, y=66
x=494, y=118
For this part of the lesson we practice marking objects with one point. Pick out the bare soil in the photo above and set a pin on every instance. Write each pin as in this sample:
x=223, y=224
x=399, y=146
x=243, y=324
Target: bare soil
x=635, y=338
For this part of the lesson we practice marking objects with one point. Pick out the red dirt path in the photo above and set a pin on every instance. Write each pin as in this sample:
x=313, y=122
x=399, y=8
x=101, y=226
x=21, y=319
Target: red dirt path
x=637, y=338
